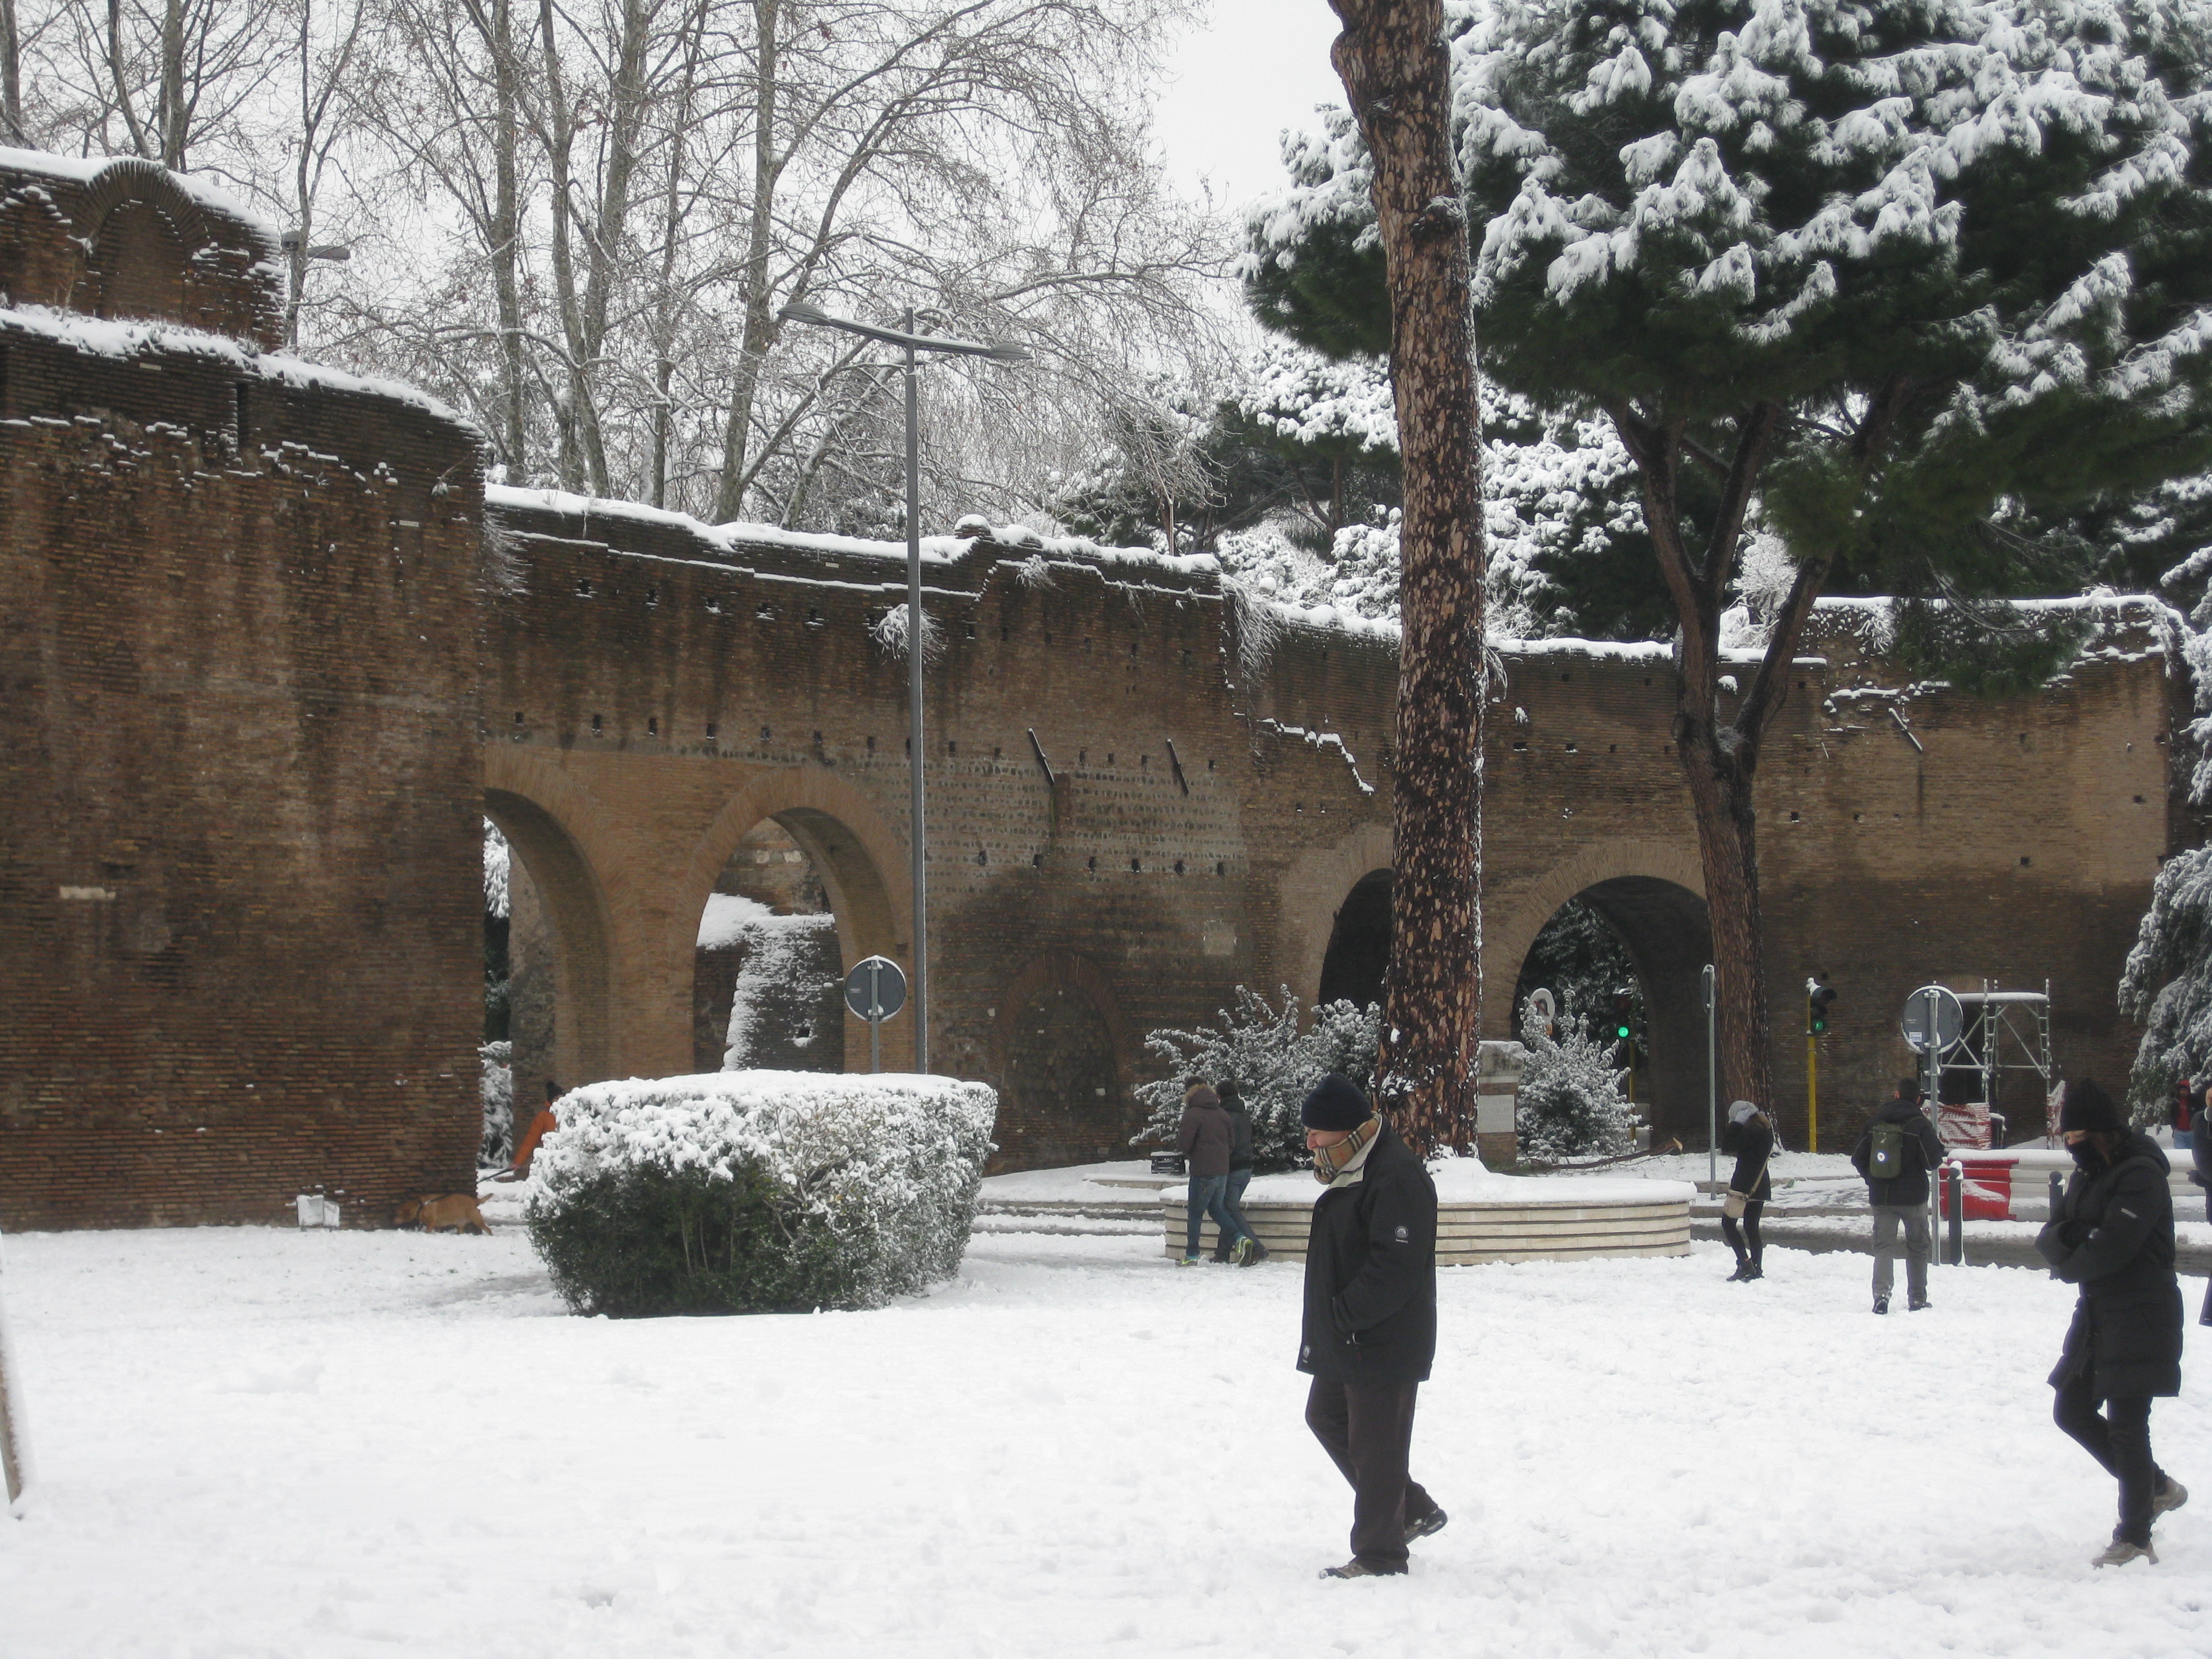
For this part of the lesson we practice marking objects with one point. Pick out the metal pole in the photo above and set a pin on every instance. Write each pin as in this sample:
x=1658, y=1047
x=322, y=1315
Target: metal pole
x=1713, y=1087
x=913, y=640
x=1958, y=1214
x=1812, y=1093
x=14, y=1455
x=875, y=1042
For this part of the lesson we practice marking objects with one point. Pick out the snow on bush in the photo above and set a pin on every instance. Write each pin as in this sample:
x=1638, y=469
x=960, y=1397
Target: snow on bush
x=496, y=1086
x=758, y=1192
x=786, y=993
x=1571, y=1104
x=1272, y=1061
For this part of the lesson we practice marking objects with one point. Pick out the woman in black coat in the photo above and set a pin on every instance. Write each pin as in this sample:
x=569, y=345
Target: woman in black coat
x=1750, y=1136
x=2113, y=1237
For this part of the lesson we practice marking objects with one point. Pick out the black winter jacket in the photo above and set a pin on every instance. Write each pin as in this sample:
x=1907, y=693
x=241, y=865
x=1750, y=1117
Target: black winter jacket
x=2113, y=1237
x=1924, y=1151
x=1240, y=1143
x=1370, y=1310
x=2200, y=1154
x=1752, y=1143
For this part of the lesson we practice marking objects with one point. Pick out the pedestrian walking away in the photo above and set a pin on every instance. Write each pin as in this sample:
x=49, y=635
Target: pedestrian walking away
x=1240, y=1176
x=2113, y=1237
x=1368, y=1334
x=1750, y=1135
x=1895, y=1155
x=2200, y=1156
x=540, y=1127
x=1205, y=1141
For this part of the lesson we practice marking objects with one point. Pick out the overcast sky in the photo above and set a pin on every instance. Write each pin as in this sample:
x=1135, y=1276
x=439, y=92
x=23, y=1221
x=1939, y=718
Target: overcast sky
x=1261, y=65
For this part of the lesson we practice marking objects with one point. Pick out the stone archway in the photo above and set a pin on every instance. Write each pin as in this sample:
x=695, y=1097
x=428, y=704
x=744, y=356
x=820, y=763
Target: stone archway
x=1061, y=1053
x=566, y=885
x=1652, y=896
x=850, y=848
x=1358, y=952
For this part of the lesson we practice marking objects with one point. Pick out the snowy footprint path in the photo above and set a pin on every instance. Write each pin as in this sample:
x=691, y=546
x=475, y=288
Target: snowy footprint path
x=255, y=1442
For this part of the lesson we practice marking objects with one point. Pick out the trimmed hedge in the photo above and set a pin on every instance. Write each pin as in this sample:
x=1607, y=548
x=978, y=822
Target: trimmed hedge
x=758, y=1192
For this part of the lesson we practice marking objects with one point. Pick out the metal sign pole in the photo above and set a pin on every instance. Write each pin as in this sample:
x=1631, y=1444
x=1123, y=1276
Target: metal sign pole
x=914, y=655
x=1712, y=1085
x=14, y=1455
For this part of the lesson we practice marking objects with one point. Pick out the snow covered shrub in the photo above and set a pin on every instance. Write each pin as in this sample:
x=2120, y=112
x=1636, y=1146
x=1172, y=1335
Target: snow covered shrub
x=496, y=1087
x=787, y=1009
x=1272, y=1061
x=758, y=1192
x=1571, y=1104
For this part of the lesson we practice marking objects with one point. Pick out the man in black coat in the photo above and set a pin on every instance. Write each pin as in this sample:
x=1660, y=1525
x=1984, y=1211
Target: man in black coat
x=2113, y=1237
x=1369, y=1330
x=1899, y=1199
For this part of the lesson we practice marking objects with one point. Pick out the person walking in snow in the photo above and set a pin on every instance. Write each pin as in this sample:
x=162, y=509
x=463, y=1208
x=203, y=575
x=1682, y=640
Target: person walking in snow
x=1895, y=1155
x=1205, y=1141
x=1368, y=1334
x=540, y=1127
x=1749, y=1134
x=2200, y=1156
x=1239, y=1174
x=2113, y=1237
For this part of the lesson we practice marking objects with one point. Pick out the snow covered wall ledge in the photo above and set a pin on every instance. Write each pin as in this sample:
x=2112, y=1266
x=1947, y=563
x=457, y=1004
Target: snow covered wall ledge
x=759, y=1192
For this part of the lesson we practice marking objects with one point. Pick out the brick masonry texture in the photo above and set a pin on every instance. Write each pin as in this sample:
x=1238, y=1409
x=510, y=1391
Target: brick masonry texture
x=239, y=944
x=263, y=687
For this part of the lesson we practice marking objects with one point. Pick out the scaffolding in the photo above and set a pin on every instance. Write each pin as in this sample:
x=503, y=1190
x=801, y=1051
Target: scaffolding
x=2004, y=1031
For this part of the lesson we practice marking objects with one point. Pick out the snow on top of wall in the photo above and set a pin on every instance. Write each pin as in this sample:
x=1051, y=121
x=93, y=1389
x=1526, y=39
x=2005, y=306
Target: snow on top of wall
x=732, y=539
x=728, y=917
x=125, y=338
x=85, y=169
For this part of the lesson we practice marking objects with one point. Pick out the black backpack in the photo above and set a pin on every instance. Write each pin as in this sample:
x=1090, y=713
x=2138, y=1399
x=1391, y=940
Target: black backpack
x=1885, y=1156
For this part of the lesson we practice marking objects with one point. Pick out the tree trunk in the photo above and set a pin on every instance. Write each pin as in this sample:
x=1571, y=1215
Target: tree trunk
x=175, y=115
x=11, y=76
x=760, y=327
x=506, y=251
x=1394, y=64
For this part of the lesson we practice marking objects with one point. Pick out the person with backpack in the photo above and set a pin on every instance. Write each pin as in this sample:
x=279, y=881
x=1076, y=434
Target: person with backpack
x=1240, y=1177
x=1750, y=1136
x=2113, y=1237
x=1895, y=1155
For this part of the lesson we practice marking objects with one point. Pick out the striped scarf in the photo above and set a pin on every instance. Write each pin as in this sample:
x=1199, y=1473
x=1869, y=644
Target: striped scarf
x=1340, y=1165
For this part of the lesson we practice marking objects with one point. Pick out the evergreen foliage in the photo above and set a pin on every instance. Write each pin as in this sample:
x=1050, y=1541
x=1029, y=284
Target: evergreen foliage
x=495, y=1089
x=1570, y=1103
x=1273, y=1062
x=758, y=1192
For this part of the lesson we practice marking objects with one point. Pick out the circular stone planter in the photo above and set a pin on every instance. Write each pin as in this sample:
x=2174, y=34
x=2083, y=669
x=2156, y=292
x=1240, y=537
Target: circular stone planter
x=1481, y=1217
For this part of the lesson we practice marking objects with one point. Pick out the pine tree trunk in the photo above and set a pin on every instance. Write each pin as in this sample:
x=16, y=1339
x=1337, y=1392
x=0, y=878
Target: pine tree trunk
x=1728, y=851
x=1395, y=71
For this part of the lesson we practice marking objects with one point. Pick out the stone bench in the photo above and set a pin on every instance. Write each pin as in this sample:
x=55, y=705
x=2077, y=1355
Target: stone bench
x=1508, y=1218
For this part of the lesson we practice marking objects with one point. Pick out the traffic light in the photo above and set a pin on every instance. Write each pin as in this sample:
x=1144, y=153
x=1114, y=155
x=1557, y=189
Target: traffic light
x=1623, y=1002
x=1818, y=997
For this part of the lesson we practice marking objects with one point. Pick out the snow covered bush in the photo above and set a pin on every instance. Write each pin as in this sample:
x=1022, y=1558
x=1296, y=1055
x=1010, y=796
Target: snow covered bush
x=786, y=1007
x=758, y=1192
x=1273, y=1061
x=496, y=1087
x=1571, y=1104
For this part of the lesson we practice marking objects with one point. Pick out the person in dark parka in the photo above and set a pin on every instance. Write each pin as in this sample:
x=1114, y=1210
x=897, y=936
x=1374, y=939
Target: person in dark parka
x=1900, y=1200
x=1369, y=1334
x=1750, y=1136
x=2200, y=1155
x=2113, y=1237
x=1205, y=1140
x=1240, y=1176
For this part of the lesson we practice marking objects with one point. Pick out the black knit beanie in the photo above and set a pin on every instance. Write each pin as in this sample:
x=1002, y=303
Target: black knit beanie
x=2086, y=1106
x=1336, y=1103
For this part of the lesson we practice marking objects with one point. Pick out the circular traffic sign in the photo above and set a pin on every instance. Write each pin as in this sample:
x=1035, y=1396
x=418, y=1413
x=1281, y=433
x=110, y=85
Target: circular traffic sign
x=876, y=989
x=1933, y=1019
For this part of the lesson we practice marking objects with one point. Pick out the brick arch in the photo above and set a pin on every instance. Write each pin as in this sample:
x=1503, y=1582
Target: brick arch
x=1043, y=972
x=1652, y=893
x=565, y=838
x=214, y=271
x=862, y=863
x=1314, y=889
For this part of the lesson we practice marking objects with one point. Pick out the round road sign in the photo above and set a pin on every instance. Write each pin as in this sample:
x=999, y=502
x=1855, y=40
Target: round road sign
x=1933, y=1017
x=876, y=989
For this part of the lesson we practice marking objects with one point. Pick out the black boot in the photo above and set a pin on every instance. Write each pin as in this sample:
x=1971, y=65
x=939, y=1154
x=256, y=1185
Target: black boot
x=1742, y=1270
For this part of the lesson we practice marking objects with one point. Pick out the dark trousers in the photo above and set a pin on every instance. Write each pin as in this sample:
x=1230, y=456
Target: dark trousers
x=1209, y=1195
x=2119, y=1438
x=1736, y=1240
x=1368, y=1433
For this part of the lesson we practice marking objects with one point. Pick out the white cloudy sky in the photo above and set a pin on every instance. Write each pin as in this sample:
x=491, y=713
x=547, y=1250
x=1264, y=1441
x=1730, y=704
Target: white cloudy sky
x=1235, y=83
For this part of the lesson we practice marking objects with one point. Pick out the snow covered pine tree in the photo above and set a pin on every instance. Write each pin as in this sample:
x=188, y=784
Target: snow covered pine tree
x=1873, y=269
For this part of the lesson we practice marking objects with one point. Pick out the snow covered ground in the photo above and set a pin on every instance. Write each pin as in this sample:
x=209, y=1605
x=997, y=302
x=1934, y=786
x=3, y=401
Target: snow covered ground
x=254, y=1441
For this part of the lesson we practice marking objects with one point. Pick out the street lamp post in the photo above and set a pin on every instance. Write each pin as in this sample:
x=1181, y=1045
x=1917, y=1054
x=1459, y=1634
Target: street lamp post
x=913, y=345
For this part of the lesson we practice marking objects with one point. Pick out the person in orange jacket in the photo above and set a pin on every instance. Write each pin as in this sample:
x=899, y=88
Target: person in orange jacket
x=540, y=1127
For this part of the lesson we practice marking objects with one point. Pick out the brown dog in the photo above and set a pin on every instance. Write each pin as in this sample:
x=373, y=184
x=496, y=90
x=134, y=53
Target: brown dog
x=435, y=1214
